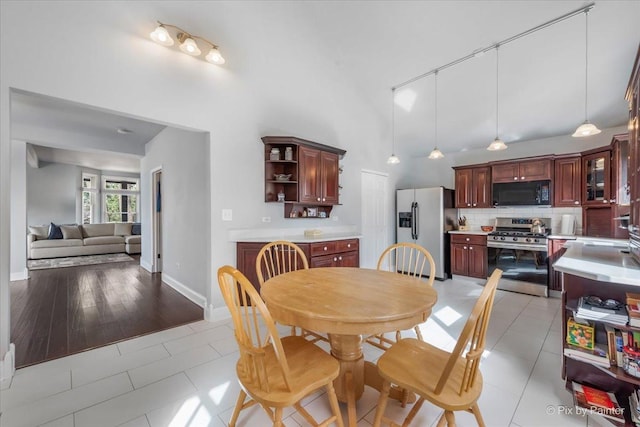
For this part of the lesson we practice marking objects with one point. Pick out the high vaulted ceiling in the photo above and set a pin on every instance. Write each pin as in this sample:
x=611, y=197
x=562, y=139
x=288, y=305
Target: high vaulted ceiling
x=378, y=45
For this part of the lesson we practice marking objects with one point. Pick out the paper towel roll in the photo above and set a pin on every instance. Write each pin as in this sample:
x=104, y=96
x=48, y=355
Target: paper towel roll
x=568, y=225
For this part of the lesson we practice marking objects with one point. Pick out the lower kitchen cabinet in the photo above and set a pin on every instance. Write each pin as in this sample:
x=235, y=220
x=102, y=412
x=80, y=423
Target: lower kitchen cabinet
x=331, y=253
x=555, y=250
x=469, y=255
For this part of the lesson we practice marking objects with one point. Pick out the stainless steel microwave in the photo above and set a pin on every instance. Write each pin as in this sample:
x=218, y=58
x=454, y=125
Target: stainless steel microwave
x=532, y=193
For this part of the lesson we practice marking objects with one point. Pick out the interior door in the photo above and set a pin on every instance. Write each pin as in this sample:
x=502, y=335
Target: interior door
x=377, y=217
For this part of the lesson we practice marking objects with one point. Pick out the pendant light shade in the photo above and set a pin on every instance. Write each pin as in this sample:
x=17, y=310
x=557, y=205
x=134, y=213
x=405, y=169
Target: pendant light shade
x=586, y=128
x=497, y=143
x=435, y=153
x=393, y=159
x=161, y=36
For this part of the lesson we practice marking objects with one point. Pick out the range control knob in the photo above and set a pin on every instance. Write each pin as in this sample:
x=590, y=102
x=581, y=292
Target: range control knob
x=515, y=239
x=528, y=239
x=536, y=240
x=502, y=238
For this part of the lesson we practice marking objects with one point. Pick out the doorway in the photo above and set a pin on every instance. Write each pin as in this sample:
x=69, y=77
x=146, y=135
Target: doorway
x=156, y=218
x=376, y=211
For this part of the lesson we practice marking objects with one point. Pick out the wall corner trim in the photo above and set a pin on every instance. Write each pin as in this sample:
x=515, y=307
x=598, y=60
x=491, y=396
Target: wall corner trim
x=20, y=275
x=147, y=266
x=185, y=290
x=7, y=367
x=212, y=314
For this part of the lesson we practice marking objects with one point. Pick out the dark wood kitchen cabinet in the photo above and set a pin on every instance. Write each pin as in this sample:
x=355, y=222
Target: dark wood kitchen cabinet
x=530, y=170
x=331, y=253
x=596, y=178
x=555, y=250
x=633, y=98
x=473, y=187
x=469, y=255
x=303, y=173
x=318, y=179
x=567, y=187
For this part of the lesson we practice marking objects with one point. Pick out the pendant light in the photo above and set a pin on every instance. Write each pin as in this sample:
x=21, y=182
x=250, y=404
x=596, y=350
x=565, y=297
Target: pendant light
x=497, y=143
x=435, y=153
x=393, y=159
x=586, y=129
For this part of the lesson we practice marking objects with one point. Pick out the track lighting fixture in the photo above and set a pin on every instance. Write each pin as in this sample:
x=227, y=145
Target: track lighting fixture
x=393, y=159
x=188, y=42
x=435, y=153
x=586, y=128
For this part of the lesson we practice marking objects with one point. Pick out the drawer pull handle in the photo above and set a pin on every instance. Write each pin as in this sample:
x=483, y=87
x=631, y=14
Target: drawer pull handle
x=335, y=259
x=340, y=258
x=467, y=239
x=464, y=247
x=348, y=245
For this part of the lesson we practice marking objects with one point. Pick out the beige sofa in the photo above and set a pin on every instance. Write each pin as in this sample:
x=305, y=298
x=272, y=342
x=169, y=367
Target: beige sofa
x=86, y=239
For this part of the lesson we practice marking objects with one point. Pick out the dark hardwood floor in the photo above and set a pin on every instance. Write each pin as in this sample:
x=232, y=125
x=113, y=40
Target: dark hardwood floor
x=61, y=311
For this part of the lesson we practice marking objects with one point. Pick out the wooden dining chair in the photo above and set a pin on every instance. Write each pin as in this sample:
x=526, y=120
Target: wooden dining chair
x=451, y=381
x=408, y=259
x=280, y=257
x=274, y=372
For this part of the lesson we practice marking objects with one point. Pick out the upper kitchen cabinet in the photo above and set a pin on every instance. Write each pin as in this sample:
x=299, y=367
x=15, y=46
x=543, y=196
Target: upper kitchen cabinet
x=301, y=174
x=473, y=187
x=530, y=170
x=567, y=187
x=596, y=178
x=319, y=177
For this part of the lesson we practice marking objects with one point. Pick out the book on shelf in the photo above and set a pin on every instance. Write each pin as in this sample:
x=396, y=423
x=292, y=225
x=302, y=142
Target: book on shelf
x=597, y=401
x=598, y=356
x=618, y=316
x=634, y=406
x=634, y=313
x=612, y=346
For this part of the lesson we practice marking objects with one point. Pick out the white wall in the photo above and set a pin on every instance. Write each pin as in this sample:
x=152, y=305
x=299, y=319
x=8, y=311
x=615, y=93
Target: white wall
x=260, y=91
x=426, y=173
x=184, y=159
x=52, y=193
x=18, y=210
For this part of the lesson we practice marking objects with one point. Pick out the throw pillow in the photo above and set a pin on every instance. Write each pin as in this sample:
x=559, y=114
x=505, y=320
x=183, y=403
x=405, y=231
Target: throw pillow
x=136, y=229
x=71, y=232
x=40, y=231
x=122, y=229
x=54, y=232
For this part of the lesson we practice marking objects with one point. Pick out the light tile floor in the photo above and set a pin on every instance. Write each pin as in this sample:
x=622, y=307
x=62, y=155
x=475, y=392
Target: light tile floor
x=186, y=376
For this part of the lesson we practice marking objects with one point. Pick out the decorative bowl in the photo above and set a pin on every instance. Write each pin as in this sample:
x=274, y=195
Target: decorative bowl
x=486, y=227
x=281, y=176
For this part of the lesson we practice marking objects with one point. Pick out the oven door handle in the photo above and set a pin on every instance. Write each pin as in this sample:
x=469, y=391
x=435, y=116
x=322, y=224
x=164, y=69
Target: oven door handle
x=516, y=247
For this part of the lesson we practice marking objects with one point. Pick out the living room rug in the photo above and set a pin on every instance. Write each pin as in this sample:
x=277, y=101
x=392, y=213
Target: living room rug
x=74, y=261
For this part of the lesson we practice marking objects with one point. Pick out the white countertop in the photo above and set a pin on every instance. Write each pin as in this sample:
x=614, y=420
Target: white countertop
x=601, y=262
x=296, y=238
x=480, y=232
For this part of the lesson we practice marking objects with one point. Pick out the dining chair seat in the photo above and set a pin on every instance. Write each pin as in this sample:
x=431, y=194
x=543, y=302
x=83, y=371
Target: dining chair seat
x=274, y=372
x=449, y=380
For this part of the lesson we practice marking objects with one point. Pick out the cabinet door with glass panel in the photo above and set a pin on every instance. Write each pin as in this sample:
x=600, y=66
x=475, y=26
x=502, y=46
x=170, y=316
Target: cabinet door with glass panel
x=596, y=178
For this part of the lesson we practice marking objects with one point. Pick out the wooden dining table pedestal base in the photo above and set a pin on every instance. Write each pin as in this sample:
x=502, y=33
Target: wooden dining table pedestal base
x=349, y=303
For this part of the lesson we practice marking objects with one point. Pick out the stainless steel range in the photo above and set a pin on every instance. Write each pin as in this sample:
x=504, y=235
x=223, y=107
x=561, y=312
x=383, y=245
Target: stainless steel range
x=520, y=254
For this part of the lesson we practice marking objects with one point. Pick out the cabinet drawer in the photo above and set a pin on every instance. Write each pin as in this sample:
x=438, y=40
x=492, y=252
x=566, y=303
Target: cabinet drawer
x=473, y=239
x=346, y=245
x=323, y=248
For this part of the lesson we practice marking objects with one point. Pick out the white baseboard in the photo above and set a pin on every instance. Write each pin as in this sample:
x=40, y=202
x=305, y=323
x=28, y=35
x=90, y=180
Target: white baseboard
x=146, y=266
x=184, y=290
x=212, y=314
x=7, y=367
x=21, y=275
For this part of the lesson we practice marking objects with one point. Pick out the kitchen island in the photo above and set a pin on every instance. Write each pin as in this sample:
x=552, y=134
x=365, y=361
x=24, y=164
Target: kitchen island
x=602, y=268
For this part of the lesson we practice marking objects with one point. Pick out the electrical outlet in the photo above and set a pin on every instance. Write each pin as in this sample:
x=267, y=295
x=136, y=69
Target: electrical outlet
x=334, y=217
x=266, y=219
x=227, y=215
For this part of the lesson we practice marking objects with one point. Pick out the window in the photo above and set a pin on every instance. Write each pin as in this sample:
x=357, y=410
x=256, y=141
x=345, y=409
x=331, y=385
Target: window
x=120, y=199
x=89, y=198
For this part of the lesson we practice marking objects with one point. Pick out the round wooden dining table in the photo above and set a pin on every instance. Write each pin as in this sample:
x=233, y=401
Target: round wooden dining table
x=348, y=303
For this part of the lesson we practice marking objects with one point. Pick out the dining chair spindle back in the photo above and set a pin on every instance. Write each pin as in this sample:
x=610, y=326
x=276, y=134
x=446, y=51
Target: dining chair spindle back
x=409, y=259
x=451, y=381
x=273, y=372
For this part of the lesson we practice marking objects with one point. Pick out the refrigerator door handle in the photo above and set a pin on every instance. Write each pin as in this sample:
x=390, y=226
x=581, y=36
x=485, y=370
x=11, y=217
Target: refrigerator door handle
x=415, y=220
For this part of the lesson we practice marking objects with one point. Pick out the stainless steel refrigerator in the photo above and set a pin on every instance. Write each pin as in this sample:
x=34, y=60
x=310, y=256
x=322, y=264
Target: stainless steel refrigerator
x=424, y=216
